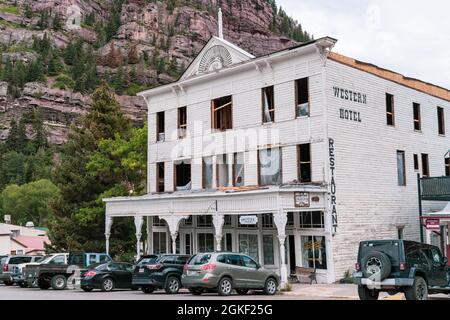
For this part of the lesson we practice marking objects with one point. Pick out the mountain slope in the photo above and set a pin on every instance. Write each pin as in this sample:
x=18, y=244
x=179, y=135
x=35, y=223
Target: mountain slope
x=55, y=52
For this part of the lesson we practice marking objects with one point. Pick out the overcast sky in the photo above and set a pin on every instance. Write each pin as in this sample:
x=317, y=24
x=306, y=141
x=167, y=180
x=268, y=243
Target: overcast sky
x=411, y=37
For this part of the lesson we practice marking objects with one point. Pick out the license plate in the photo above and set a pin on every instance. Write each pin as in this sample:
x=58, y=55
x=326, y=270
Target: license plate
x=192, y=273
x=141, y=270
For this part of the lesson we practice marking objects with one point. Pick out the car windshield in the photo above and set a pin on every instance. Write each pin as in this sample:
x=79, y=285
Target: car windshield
x=44, y=259
x=100, y=267
x=200, y=259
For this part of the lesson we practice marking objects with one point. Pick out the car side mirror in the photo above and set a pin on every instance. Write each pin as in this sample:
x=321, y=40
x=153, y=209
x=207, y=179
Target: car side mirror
x=258, y=266
x=444, y=260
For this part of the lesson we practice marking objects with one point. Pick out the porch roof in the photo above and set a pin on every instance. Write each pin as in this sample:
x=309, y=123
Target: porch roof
x=261, y=200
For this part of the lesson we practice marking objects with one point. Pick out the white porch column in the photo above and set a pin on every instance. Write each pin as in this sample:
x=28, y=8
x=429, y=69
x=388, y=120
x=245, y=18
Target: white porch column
x=149, y=234
x=280, y=220
x=218, y=221
x=108, y=225
x=173, y=222
x=138, y=222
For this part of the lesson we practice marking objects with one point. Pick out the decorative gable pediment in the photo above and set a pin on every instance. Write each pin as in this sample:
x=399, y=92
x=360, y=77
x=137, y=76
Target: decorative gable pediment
x=217, y=54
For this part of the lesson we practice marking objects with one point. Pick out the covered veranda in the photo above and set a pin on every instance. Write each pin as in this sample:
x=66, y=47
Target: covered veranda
x=176, y=207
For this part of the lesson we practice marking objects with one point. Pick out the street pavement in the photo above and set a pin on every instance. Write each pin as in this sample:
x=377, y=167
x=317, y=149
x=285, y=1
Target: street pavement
x=299, y=292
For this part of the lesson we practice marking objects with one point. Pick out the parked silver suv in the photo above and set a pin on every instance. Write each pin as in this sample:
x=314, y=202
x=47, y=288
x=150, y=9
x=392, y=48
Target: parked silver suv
x=222, y=272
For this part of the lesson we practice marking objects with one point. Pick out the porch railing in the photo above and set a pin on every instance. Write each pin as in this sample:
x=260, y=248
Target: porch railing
x=435, y=189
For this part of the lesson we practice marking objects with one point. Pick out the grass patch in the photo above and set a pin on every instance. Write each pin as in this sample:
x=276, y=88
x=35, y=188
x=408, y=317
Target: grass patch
x=9, y=9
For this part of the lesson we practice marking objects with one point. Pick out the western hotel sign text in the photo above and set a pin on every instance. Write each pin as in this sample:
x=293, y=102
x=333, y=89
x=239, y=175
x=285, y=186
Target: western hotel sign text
x=352, y=96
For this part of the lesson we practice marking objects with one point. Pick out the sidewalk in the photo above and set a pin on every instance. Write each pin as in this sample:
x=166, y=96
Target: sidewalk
x=332, y=292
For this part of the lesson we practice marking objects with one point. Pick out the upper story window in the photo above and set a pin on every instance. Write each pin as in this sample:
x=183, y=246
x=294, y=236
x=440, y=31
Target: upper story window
x=390, y=115
x=401, y=168
x=160, y=126
x=417, y=117
x=302, y=98
x=222, y=113
x=204, y=221
x=447, y=167
x=182, y=175
x=207, y=178
x=157, y=222
x=238, y=169
x=182, y=122
x=160, y=177
x=425, y=165
x=268, y=103
x=416, y=162
x=269, y=166
x=304, y=163
x=441, y=121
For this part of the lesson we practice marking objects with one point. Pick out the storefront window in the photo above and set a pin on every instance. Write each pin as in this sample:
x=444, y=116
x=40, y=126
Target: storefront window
x=157, y=222
x=204, y=221
x=205, y=242
x=268, y=250
x=159, y=243
x=227, y=242
x=227, y=221
x=267, y=221
x=313, y=252
x=187, y=244
x=290, y=220
x=312, y=220
x=248, y=244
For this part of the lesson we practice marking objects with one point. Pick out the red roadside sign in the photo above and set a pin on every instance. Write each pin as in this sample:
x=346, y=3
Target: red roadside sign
x=433, y=224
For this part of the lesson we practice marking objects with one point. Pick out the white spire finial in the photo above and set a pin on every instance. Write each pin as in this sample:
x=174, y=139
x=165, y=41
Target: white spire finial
x=220, y=23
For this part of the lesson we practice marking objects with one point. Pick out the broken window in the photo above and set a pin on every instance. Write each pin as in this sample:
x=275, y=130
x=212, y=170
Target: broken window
x=269, y=167
x=160, y=177
x=390, y=116
x=160, y=126
x=238, y=169
x=182, y=122
x=417, y=117
x=416, y=162
x=425, y=166
x=302, y=97
x=268, y=103
x=401, y=168
x=441, y=120
x=207, y=173
x=222, y=171
x=222, y=113
x=304, y=163
x=182, y=175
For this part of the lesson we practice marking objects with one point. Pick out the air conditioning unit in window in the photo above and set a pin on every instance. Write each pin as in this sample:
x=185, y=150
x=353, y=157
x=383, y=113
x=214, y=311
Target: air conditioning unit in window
x=161, y=136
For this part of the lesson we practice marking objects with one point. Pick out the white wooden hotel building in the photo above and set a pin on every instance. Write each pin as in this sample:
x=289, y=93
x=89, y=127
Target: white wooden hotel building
x=322, y=149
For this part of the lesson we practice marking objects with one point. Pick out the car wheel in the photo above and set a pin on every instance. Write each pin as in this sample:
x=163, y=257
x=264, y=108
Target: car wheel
x=43, y=285
x=173, y=285
x=270, y=288
x=8, y=283
x=196, y=291
x=242, y=292
x=367, y=294
x=107, y=285
x=376, y=266
x=23, y=285
x=59, y=282
x=148, y=290
x=87, y=289
x=225, y=287
x=418, y=291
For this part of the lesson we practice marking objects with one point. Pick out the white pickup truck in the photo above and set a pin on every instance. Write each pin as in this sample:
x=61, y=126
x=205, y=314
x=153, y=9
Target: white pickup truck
x=28, y=276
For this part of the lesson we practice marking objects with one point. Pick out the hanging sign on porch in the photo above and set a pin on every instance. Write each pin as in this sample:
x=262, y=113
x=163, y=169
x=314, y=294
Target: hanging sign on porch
x=301, y=199
x=433, y=224
x=248, y=220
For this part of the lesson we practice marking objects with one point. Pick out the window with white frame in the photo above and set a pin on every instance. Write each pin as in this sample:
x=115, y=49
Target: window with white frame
x=268, y=250
x=267, y=221
x=269, y=167
x=314, y=252
x=290, y=220
x=204, y=221
x=248, y=244
x=205, y=242
x=312, y=220
x=157, y=222
x=159, y=242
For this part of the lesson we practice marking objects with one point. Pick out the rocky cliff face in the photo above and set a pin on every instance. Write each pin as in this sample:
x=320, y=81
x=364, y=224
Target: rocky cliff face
x=149, y=33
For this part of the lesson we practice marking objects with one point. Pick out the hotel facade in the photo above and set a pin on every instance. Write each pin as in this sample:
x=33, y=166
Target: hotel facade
x=292, y=158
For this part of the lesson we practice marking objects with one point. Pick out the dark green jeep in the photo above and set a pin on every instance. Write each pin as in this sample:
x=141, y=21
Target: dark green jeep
x=394, y=266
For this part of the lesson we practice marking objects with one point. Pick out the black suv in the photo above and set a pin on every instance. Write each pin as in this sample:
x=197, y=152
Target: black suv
x=164, y=273
x=394, y=266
